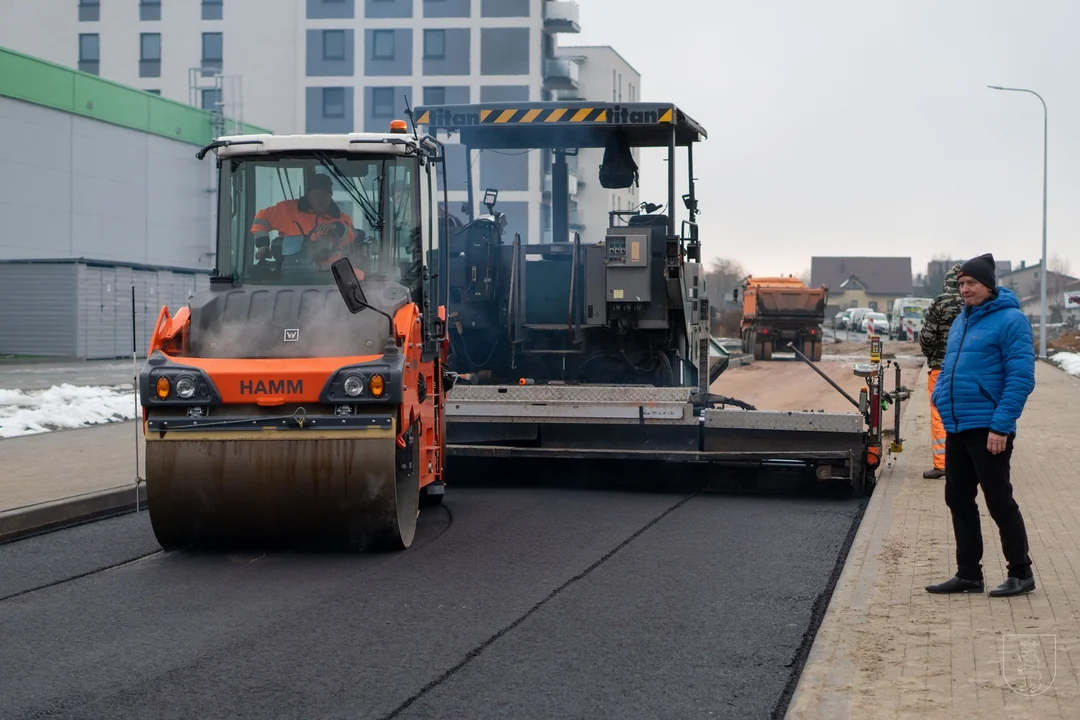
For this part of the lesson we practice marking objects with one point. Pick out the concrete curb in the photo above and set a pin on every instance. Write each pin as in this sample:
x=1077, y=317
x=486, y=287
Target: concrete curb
x=49, y=516
x=827, y=667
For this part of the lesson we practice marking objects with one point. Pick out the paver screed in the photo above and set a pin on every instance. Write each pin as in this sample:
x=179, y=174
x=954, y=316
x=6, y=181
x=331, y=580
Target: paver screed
x=888, y=649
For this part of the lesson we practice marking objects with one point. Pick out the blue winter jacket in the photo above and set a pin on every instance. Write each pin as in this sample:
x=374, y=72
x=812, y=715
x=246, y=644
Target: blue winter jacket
x=989, y=367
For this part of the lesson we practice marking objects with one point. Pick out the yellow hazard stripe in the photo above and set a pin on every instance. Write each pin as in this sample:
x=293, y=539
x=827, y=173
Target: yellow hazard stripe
x=554, y=115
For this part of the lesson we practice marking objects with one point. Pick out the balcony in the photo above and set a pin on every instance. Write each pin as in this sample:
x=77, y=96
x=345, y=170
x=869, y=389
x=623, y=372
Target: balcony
x=561, y=16
x=572, y=182
x=574, y=95
x=561, y=74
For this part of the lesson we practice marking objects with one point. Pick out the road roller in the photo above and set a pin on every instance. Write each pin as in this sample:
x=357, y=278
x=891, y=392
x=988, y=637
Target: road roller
x=297, y=402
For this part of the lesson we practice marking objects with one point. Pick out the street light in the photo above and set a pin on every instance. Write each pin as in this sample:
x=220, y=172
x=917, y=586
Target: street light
x=1043, y=273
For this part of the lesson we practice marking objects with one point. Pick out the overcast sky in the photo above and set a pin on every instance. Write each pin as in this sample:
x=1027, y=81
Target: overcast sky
x=847, y=127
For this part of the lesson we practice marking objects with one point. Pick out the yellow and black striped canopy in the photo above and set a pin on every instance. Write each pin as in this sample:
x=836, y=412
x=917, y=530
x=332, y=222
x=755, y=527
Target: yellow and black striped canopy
x=569, y=124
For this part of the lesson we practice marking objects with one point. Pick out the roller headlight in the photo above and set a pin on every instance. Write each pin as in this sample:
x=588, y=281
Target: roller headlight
x=354, y=386
x=185, y=386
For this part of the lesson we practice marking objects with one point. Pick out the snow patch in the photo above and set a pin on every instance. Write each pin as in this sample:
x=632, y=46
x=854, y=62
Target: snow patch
x=64, y=407
x=1067, y=361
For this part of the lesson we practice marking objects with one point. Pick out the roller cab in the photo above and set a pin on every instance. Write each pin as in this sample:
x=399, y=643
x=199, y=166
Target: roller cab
x=298, y=401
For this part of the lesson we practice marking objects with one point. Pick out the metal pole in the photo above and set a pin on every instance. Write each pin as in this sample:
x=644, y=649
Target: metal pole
x=1044, y=270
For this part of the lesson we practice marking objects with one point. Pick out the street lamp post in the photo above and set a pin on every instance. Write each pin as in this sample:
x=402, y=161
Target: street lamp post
x=1044, y=269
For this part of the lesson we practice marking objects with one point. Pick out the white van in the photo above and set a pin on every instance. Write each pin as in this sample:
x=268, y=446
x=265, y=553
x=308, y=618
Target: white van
x=906, y=317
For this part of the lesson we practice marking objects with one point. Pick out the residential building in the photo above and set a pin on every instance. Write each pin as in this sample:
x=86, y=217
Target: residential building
x=1026, y=282
x=325, y=65
x=107, y=211
x=868, y=282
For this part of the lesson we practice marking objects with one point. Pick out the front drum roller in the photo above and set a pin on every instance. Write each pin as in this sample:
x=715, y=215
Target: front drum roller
x=265, y=491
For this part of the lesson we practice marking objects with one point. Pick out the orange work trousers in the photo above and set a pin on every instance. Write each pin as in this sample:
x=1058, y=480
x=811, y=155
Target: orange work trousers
x=937, y=429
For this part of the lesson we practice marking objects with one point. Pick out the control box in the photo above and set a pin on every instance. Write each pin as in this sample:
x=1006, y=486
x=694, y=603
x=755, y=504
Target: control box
x=627, y=265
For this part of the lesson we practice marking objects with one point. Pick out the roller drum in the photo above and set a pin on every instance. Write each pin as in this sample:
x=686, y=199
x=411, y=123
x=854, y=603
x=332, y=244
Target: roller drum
x=249, y=492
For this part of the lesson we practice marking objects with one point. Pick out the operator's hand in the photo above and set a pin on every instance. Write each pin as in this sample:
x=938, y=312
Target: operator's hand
x=995, y=443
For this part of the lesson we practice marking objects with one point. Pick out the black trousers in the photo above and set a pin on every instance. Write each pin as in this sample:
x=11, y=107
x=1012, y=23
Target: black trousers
x=969, y=465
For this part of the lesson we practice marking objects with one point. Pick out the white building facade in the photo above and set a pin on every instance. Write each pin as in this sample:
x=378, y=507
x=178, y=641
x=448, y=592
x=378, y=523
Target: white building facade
x=340, y=66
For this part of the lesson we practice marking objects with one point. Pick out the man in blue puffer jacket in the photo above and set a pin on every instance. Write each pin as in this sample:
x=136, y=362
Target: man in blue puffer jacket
x=987, y=375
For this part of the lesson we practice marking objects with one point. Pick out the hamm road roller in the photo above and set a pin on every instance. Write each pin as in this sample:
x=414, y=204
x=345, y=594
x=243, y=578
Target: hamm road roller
x=298, y=402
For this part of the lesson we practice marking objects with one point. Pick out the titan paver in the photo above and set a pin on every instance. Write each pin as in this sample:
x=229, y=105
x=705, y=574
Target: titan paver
x=888, y=649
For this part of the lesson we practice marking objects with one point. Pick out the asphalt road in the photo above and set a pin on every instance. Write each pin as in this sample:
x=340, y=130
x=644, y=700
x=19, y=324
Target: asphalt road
x=534, y=602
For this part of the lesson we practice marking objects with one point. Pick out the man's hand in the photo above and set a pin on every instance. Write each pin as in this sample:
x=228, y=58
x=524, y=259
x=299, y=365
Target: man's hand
x=995, y=443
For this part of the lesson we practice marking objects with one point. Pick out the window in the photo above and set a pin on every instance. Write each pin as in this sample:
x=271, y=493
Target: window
x=211, y=9
x=211, y=99
x=382, y=102
x=434, y=44
x=379, y=186
x=382, y=45
x=149, y=9
x=150, y=46
x=89, y=10
x=333, y=42
x=434, y=96
x=333, y=102
x=213, y=50
x=150, y=55
x=153, y=92
x=89, y=52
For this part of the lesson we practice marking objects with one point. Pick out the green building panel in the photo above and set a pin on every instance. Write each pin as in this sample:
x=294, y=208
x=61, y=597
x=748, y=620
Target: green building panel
x=44, y=83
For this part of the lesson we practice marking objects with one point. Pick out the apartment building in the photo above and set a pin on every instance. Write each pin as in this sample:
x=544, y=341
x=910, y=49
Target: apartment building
x=330, y=66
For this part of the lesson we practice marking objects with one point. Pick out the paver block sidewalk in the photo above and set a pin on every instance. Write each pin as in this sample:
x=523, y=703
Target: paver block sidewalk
x=889, y=649
x=58, y=465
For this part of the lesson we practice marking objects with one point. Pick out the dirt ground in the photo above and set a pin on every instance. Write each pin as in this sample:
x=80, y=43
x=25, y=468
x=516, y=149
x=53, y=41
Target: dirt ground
x=785, y=383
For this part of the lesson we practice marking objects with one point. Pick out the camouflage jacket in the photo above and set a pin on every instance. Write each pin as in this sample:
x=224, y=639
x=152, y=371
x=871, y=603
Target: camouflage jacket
x=939, y=318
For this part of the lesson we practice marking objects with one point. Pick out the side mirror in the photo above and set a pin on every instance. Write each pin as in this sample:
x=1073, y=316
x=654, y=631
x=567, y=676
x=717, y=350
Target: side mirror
x=348, y=285
x=735, y=295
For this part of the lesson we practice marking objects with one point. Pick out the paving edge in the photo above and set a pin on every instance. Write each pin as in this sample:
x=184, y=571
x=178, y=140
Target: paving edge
x=57, y=514
x=809, y=698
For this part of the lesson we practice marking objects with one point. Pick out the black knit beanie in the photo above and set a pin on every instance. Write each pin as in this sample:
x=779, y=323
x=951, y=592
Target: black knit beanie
x=981, y=268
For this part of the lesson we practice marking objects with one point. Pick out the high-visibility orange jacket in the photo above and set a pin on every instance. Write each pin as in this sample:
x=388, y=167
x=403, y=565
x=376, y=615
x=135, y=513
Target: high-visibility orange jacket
x=297, y=217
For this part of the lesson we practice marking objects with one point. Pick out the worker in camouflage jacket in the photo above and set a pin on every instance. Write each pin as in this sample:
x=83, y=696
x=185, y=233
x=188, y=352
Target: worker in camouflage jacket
x=933, y=339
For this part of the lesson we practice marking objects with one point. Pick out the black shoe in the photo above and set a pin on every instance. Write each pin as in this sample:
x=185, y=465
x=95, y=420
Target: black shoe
x=1013, y=586
x=933, y=474
x=956, y=585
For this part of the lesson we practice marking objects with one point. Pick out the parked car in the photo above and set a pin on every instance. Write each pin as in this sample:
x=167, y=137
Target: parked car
x=855, y=319
x=879, y=321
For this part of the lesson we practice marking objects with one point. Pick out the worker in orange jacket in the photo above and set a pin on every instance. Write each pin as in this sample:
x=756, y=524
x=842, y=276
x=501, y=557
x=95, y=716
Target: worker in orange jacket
x=932, y=340
x=312, y=227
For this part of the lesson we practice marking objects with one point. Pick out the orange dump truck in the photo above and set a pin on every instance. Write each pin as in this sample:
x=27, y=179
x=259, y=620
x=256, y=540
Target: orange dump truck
x=779, y=310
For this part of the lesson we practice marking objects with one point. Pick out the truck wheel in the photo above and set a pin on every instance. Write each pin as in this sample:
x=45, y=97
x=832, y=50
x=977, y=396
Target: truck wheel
x=816, y=351
x=766, y=350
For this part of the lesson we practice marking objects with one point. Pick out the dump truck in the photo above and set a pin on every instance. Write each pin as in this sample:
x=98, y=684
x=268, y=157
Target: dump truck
x=778, y=311
x=596, y=345
x=299, y=400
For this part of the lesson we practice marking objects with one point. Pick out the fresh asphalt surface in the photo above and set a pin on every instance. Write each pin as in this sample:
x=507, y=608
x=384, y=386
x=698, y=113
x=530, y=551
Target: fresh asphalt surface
x=535, y=601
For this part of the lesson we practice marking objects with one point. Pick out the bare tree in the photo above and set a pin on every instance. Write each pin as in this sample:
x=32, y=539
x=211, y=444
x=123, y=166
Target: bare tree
x=723, y=276
x=805, y=277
